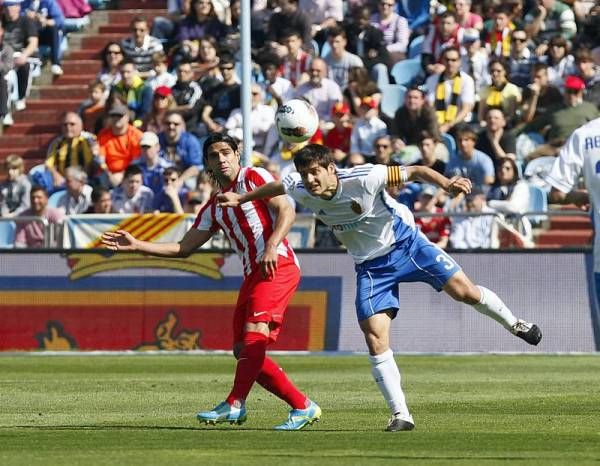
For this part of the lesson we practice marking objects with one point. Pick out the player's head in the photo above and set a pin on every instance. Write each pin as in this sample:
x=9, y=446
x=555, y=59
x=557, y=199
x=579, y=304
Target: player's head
x=221, y=158
x=316, y=166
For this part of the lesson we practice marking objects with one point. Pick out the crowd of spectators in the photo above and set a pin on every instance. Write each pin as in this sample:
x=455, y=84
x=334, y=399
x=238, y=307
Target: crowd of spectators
x=498, y=84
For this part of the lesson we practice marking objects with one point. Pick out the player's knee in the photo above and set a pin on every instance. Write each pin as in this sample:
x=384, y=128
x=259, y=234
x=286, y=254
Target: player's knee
x=376, y=343
x=463, y=290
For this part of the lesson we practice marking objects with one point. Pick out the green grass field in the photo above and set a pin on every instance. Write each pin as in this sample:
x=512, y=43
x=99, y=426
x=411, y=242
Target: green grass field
x=128, y=410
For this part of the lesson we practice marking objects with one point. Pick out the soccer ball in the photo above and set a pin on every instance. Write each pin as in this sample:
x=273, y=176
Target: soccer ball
x=296, y=120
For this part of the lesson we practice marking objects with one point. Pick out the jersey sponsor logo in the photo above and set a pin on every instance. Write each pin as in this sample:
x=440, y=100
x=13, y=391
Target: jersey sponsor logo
x=356, y=208
x=345, y=226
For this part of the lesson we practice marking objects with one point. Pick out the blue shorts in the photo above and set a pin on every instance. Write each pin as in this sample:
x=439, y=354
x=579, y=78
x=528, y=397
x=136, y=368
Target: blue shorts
x=414, y=260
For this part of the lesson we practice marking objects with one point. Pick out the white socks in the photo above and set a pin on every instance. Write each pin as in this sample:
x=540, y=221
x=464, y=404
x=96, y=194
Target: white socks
x=492, y=306
x=387, y=376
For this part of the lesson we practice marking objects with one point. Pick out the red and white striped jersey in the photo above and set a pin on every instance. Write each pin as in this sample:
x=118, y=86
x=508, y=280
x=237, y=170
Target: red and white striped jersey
x=249, y=226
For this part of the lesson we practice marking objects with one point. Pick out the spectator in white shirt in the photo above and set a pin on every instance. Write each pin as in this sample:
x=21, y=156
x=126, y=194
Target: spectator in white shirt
x=323, y=93
x=132, y=197
x=262, y=116
x=78, y=196
x=367, y=128
x=141, y=46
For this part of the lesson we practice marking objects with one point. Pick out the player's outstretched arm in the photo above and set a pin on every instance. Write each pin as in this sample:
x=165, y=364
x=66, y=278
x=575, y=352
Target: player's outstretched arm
x=454, y=185
x=269, y=190
x=121, y=240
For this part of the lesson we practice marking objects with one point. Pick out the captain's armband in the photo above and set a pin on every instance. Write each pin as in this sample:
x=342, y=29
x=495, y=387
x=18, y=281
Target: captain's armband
x=396, y=175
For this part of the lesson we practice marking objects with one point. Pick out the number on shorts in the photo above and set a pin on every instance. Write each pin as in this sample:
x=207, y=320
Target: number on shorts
x=445, y=258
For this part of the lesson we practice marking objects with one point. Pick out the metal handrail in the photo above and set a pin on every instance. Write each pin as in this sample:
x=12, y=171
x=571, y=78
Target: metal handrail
x=48, y=227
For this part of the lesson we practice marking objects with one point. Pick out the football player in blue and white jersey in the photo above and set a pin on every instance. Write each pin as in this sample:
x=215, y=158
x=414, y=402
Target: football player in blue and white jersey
x=387, y=248
x=580, y=156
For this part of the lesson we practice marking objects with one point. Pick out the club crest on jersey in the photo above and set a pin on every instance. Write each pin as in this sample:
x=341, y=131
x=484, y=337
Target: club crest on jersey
x=356, y=208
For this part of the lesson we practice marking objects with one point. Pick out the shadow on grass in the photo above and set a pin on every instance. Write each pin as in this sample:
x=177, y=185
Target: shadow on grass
x=219, y=429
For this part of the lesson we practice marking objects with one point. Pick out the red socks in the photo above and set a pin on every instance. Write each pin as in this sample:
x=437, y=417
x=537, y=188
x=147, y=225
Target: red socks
x=249, y=365
x=273, y=379
x=253, y=365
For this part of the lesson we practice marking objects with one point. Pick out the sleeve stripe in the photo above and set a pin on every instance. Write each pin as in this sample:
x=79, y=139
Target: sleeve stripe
x=396, y=175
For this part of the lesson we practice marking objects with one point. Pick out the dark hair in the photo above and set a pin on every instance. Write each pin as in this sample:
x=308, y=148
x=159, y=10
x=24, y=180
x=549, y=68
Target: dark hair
x=336, y=31
x=513, y=164
x=269, y=58
x=36, y=188
x=427, y=135
x=466, y=131
x=97, y=193
x=448, y=14
x=539, y=66
x=133, y=169
x=170, y=170
x=583, y=55
x=127, y=61
x=312, y=153
x=214, y=138
x=500, y=61
x=105, y=51
x=138, y=19
x=452, y=48
x=503, y=9
x=226, y=58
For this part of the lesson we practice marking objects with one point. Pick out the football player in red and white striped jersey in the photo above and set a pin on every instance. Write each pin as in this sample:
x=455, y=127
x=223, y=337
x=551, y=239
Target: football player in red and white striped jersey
x=257, y=232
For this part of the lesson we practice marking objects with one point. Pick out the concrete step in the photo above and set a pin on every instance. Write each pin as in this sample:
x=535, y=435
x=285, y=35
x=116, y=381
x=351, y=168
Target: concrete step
x=72, y=91
x=76, y=79
x=120, y=28
x=32, y=162
x=71, y=67
x=38, y=116
x=125, y=16
x=96, y=41
x=565, y=237
x=32, y=128
x=571, y=223
x=37, y=154
x=31, y=140
x=141, y=4
x=84, y=54
x=51, y=104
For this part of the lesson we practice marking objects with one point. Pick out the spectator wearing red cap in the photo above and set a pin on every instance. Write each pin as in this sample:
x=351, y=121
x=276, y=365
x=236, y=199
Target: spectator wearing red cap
x=574, y=113
x=367, y=128
x=162, y=102
x=338, y=138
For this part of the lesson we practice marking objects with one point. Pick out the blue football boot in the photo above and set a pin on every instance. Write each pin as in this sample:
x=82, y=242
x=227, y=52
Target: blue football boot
x=223, y=412
x=300, y=418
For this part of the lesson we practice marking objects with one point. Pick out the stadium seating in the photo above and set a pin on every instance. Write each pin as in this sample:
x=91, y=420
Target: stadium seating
x=392, y=98
x=450, y=144
x=54, y=197
x=7, y=233
x=538, y=202
x=406, y=71
x=416, y=46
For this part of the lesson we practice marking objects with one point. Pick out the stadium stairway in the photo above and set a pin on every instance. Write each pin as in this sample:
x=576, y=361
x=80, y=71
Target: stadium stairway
x=35, y=127
x=566, y=231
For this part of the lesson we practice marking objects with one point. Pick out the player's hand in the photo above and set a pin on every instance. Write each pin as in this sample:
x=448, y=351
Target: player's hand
x=228, y=199
x=268, y=263
x=458, y=185
x=119, y=240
